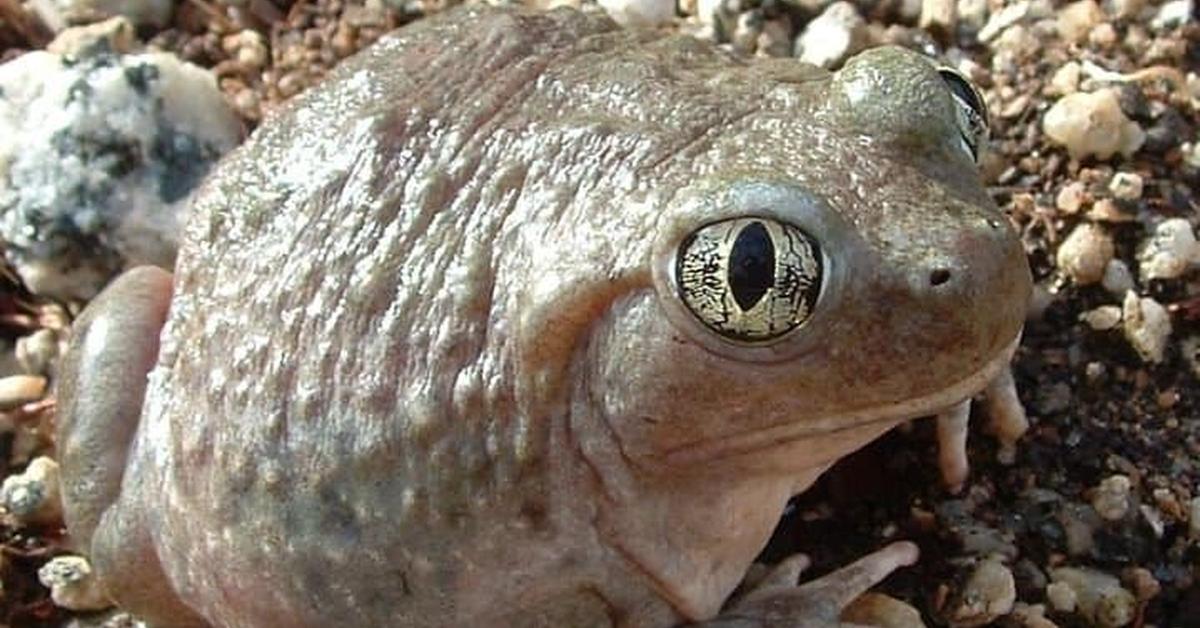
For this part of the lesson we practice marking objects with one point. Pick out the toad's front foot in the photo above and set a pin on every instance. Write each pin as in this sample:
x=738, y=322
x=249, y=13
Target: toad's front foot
x=778, y=602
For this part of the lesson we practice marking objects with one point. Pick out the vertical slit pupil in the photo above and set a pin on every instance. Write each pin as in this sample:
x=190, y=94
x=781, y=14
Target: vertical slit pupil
x=751, y=265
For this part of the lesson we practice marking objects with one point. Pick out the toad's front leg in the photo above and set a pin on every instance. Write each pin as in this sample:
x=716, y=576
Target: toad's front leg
x=114, y=345
x=779, y=602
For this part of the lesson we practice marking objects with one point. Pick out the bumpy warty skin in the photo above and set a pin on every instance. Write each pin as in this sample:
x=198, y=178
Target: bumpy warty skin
x=423, y=365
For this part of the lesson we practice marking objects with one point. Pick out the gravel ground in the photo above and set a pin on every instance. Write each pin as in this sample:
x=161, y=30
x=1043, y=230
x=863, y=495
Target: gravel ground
x=1108, y=477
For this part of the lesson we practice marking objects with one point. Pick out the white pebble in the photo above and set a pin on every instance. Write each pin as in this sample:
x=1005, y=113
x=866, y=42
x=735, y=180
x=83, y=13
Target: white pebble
x=1065, y=80
x=640, y=12
x=833, y=36
x=1004, y=18
x=32, y=496
x=38, y=352
x=18, y=390
x=1083, y=255
x=1090, y=124
x=1111, y=498
x=1061, y=597
x=1118, y=279
x=1103, y=318
x=73, y=585
x=1126, y=186
x=1147, y=326
x=1071, y=197
x=989, y=593
x=1078, y=18
x=1169, y=252
x=1100, y=598
x=1172, y=14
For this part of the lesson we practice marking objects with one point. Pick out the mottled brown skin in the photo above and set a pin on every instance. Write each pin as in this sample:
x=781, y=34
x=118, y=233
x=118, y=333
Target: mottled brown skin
x=425, y=363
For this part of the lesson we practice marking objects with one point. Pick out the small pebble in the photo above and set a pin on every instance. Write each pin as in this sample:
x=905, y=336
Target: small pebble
x=1169, y=252
x=1083, y=255
x=1147, y=326
x=989, y=593
x=1145, y=586
x=1031, y=616
x=115, y=34
x=1103, y=318
x=1118, y=279
x=1123, y=9
x=1071, y=197
x=939, y=16
x=38, y=352
x=32, y=496
x=833, y=36
x=18, y=390
x=72, y=584
x=1092, y=124
x=884, y=611
x=1100, y=598
x=1107, y=210
x=1002, y=19
x=1078, y=18
x=1126, y=186
x=1112, y=498
x=1065, y=80
x=639, y=12
x=1061, y=597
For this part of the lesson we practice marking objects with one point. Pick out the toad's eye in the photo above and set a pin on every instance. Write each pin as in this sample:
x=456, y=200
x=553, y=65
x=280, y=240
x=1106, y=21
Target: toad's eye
x=971, y=112
x=749, y=279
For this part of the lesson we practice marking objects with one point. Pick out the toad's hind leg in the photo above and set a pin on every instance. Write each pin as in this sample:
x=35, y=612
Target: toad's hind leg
x=114, y=344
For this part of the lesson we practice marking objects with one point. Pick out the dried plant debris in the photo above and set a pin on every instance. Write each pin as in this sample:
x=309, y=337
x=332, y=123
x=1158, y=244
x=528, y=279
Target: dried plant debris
x=1095, y=157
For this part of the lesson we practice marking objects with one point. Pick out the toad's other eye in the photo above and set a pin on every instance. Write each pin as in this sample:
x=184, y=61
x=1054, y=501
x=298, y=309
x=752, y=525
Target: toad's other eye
x=749, y=279
x=971, y=112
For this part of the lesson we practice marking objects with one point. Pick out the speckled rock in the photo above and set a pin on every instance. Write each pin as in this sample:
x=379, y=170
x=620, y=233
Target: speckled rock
x=1099, y=597
x=72, y=584
x=32, y=496
x=99, y=153
x=1147, y=326
x=1084, y=254
x=1092, y=124
x=1169, y=252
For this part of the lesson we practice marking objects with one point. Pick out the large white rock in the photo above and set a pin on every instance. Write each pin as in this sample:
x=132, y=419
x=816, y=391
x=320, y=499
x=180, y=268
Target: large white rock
x=99, y=154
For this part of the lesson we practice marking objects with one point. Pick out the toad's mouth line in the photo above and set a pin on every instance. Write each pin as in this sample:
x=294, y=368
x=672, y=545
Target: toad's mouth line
x=927, y=405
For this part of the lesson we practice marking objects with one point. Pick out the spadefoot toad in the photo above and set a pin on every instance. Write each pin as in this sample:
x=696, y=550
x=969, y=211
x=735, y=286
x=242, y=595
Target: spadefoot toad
x=520, y=319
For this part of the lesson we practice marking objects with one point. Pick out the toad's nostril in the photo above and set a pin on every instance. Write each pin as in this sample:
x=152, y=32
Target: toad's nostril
x=939, y=276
